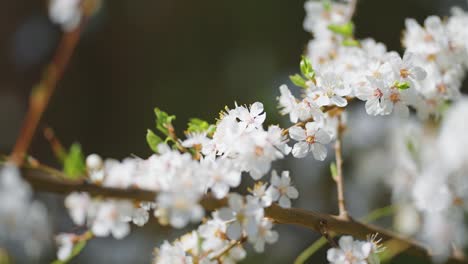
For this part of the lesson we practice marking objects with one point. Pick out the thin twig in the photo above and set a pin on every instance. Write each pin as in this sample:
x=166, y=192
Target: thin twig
x=42, y=181
x=42, y=93
x=322, y=241
x=343, y=213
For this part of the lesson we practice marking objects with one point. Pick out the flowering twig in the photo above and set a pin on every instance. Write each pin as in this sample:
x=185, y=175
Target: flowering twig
x=43, y=181
x=322, y=241
x=343, y=213
x=42, y=93
x=228, y=248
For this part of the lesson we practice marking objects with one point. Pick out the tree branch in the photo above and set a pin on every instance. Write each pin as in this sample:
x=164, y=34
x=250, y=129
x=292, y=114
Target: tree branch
x=343, y=213
x=42, y=93
x=49, y=180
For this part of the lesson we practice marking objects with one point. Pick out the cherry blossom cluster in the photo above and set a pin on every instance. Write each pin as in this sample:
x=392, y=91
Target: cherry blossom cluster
x=205, y=163
x=22, y=220
x=429, y=181
x=352, y=251
x=220, y=238
x=337, y=68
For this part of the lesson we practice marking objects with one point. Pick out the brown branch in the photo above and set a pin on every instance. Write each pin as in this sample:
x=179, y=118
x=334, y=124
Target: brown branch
x=42, y=92
x=51, y=181
x=343, y=213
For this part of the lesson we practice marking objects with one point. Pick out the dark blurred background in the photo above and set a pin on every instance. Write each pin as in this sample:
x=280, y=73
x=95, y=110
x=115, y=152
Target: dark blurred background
x=190, y=58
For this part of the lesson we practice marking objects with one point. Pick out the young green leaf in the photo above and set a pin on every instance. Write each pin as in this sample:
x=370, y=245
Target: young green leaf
x=402, y=85
x=298, y=80
x=345, y=30
x=74, y=162
x=350, y=42
x=326, y=5
x=197, y=125
x=163, y=121
x=333, y=170
x=153, y=140
x=306, y=68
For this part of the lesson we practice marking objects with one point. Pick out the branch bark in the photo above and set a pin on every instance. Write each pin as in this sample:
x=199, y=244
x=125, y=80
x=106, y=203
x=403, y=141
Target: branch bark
x=343, y=213
x=49, y=180
x=42, y=92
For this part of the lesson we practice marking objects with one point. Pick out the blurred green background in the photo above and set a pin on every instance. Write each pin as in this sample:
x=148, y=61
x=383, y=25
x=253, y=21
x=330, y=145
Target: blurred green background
x=190, y=58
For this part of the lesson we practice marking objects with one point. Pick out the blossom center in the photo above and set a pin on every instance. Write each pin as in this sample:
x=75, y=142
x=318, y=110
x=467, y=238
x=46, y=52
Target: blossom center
x=310, y=139
x=441, y=88
x=259, y=151
x=395, y=97
x=404, y=73
x=378, y=93
x=350, y=257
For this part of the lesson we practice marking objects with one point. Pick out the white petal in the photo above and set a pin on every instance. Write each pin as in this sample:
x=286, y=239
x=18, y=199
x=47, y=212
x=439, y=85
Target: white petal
x=339, y=101
x=419, y=73
x=275, y=179
x=322, y=136
x=321, y=99
x=236, y=202
x=335, y=255
x=225, y=214
x=373, y=106
x=346, y=243
x=297, y=133
x=120, y=230
x=259, y=246
x=311, y=128
x=292, y=192
x=234, y=230
x=319, y=151
x=273, y=193
x=284, y=202
x=220, y=190
x=300, y=149
x=256, y=109
x=271, y=237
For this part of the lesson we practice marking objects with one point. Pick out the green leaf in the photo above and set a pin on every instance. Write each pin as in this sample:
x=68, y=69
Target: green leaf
x=350, y=42
x=402, y=85
x=306, y=68
x=197, y=125
x=326, y=5
x=346, y=29
x=74, y=163
x=75, y=251
x=163, y=121
x=153, y=140
x=298, y=80
x=333, y=170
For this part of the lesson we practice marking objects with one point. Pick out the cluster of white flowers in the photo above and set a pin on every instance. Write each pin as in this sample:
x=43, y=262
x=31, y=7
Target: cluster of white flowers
x=239, y=144
x=430, y=182
x=424, y=79
x=337, y=69
x=352, y=251
x=221, y=238
x=22, y=220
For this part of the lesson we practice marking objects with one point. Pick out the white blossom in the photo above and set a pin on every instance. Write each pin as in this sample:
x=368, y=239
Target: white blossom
x=311, y=139
x=65, y=243
x=242, y=216
x=281, y=189
x=66, y=13
x=350, y=251
x=263, y=235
